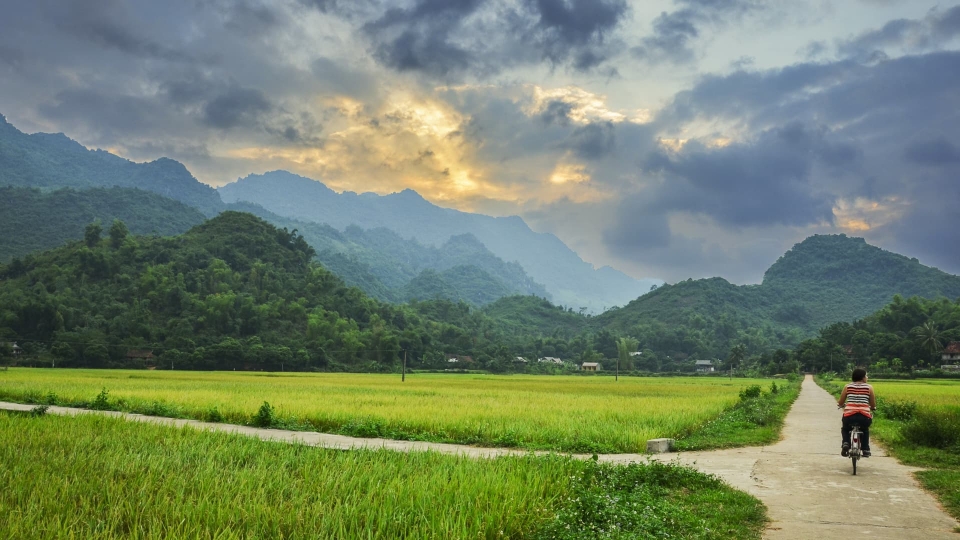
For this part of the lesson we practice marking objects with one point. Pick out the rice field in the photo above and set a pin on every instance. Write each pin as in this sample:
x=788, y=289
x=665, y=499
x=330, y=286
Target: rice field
x=538, y=412
x=937, y=393
x=97, y=477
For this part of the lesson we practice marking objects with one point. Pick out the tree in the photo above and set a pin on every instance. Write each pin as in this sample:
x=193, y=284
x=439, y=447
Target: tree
x=737, y=353
x=118, y=233
x=625, y=346
x=91, y=235
x=928, y=337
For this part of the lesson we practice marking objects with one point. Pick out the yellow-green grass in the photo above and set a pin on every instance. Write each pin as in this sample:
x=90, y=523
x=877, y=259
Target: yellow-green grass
x=98, y=477
x=538, y=412
x=926, y=392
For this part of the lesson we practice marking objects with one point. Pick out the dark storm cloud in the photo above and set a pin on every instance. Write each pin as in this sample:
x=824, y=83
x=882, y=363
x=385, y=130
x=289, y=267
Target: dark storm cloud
x=235, y=107
x=675, y=33
x=113, y=114
x=765, y=182
x=107, y=24
x=939, y=151
x=932, y=31
x=888, y=132
x=450, y=37
x=557, y=111
x=593, y=141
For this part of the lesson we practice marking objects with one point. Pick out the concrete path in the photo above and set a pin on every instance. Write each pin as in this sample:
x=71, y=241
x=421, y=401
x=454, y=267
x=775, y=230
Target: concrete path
x=805, y=483
x=809, y=489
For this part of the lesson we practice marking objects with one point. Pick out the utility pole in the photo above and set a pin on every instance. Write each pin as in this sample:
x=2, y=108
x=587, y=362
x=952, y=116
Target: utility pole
x=403, y=371
x=617, y=376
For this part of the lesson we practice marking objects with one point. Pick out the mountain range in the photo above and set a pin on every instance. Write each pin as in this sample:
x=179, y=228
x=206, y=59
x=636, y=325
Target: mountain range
x=568, y=279
x=425, y=235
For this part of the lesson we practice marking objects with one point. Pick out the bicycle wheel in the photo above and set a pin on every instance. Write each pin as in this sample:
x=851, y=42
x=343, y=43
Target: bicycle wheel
x=854, y=460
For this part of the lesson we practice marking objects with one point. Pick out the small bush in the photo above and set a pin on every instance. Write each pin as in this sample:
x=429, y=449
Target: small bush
x=101, y=402
x=897, y=410
x=750, y=392
x=39, y=410
x=51, y=399
x=774, y=389
x=265, y=417
x=934, y=428
x=158, y=408
x=214, y=415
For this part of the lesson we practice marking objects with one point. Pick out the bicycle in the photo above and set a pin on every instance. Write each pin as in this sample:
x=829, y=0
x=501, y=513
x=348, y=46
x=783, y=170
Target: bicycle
x=855, y=451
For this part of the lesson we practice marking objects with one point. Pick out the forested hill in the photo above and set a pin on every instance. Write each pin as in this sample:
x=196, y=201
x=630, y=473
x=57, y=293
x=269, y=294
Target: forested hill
x=50, y=161
x=546, y=259
x=820, y=281
x=840, y=278
x=31, y=220
x=391, y=268
x=233, y=292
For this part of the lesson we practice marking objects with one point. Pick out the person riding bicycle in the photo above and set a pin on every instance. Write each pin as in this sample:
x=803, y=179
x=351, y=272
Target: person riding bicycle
x=858, y=404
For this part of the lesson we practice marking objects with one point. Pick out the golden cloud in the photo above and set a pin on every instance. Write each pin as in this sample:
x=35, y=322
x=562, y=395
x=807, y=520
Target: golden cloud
x=861, y=214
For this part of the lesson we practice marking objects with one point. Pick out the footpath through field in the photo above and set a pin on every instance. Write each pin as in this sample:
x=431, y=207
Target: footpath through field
x=809, y=489
x=805, y=483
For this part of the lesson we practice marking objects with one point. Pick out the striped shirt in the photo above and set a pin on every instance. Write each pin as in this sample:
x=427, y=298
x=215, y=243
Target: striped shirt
x=858, y=399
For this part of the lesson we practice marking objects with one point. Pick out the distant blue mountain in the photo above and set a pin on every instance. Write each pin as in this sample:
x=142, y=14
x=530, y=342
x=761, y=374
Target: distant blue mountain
x=568, y=279
x=45, y=160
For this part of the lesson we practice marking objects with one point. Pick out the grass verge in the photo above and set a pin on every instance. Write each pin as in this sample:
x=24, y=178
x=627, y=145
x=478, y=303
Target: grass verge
x=756, y=419
x=921, y=436
x=100, y=477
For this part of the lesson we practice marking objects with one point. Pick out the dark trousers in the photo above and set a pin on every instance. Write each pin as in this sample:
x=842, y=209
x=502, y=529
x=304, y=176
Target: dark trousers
x=864, y=422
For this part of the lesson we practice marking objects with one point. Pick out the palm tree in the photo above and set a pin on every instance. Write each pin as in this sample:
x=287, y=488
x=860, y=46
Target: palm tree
x=737, y=353
x=625, y=346
x=929, y=337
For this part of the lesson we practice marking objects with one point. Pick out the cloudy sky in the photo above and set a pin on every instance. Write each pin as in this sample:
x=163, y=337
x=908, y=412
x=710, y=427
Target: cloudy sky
x=667, y=138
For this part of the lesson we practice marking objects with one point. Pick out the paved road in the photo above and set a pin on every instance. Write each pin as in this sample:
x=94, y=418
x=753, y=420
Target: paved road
x=803, y=480
x=808, y=487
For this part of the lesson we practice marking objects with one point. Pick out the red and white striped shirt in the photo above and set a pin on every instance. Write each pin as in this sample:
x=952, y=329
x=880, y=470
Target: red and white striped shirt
x=858, y=399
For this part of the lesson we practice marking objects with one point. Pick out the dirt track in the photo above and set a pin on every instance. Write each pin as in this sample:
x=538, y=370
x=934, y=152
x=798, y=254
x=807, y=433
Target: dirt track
x=803, y=480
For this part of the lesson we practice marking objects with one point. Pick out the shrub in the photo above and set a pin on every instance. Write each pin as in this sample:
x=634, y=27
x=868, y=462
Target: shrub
x=264, y=417
x=934, y=428
x=101, y=402
x=896, y=410
x=39, y=410
x=773, y=388
x=750, y=392
x=214, y=415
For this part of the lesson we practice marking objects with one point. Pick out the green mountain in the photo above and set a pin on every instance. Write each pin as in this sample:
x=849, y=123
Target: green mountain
x=50, y=161
x=820, y=281
x=31, y=220
x=384, y=265
x=233, y=292
x=567, y=278
x=839, y=278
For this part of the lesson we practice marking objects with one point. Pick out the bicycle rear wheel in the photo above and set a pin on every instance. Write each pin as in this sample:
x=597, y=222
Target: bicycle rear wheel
x=854, y=460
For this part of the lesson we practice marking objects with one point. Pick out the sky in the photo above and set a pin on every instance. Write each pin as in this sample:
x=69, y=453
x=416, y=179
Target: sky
x=670, y=139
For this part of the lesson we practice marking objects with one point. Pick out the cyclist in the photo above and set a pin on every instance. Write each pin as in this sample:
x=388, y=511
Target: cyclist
x=858, y=404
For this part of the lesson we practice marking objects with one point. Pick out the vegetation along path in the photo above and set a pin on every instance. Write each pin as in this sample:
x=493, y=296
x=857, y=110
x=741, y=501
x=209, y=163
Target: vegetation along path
x=804, y=482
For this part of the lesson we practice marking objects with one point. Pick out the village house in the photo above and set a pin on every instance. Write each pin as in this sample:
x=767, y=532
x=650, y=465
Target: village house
x=520, y=359
x=457, y=359
x=139, y=354
x=550, y=360
x=590, y=366
x=705, y=366
x=15, y=349
x=636, y=353
x=951, y=357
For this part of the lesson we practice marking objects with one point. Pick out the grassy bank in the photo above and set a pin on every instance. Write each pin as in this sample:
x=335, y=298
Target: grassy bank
x=570, y=414
x=918, y=422
x=756, y=419
x=98, y=477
